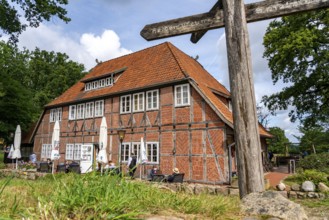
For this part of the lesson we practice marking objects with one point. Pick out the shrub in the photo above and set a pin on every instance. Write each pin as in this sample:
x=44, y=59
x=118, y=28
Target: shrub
x=312, y=175
x=319, y=162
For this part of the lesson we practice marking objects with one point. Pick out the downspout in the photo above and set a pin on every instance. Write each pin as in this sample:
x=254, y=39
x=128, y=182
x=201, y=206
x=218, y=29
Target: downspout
x=230, y=162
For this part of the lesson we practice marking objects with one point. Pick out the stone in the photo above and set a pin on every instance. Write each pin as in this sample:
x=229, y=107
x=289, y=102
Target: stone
x=234, y=192
x=199, y=189
x=323, y=187
x=295, y=187
x=301, y=195
x=211, y=190
x=165, y=188
x=308, y=186
x=281, y=186
x=222, y=191
x=292, y=195
x=312, y=195
x=283, y=193
x=272, y=204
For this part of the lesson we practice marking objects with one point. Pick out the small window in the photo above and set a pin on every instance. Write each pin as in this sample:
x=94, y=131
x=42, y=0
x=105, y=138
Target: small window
x=125, y=152
x=152, y=100
x=125, y=103
x=99, y=108
x=89, y=110
x=55, y=114
x=72, y=112
x=69, y=151
x=138, y=102
x=152, y=149
x=182, y=95
x=80, y=111
x=135, y=147
x=46, y=151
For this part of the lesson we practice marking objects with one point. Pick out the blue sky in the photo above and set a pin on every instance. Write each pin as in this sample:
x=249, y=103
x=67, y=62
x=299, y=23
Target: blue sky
x=105, y=29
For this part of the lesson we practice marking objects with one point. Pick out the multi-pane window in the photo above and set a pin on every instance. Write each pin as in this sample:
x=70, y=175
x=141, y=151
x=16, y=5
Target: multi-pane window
x=125, y=152
x=80, y=111
x=55, y=114
x=182, y=95
x=89, y=110
x=138, y=102
x=152, y=149
x=99, y=108
x=73, y=152
x=72, y=112
x=152, y=100
x=46, y=151
x=125, y=102
x=99, y=83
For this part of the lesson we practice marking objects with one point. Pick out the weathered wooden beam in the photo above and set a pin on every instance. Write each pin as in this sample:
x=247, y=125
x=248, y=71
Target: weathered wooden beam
x=254, y=12
x=196, y=36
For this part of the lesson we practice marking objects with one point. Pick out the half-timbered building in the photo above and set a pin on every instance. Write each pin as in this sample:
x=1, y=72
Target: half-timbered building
x=161, y=94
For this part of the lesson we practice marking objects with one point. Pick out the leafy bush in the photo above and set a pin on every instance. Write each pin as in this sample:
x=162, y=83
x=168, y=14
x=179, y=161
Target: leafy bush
x=312, y=175
x=319, y=162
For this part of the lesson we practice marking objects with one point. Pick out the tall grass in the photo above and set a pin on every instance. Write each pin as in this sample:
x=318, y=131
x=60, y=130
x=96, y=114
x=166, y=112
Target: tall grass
x=90, y=196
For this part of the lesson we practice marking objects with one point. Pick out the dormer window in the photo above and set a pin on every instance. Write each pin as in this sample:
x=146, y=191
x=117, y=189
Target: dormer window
x=101, y=81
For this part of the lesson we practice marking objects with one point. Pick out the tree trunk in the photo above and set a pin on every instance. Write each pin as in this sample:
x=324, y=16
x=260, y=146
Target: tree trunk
x=250, y=170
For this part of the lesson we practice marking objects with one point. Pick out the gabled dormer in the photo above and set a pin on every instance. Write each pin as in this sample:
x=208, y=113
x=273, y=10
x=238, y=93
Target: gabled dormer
x=101, y=81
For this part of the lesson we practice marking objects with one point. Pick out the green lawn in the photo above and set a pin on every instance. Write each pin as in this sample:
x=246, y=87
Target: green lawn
x=90, y=196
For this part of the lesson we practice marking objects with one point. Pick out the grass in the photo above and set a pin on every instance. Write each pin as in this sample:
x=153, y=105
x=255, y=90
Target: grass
x=90, y=196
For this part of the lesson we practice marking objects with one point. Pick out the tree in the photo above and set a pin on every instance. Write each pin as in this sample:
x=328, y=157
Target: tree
x=315, y=140
x=33, y=11
x=279, y=143
x=297, y=48
x=263, y=116
x=29, y=80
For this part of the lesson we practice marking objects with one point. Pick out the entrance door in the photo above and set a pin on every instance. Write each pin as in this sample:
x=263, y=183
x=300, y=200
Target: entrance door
x=87, y=158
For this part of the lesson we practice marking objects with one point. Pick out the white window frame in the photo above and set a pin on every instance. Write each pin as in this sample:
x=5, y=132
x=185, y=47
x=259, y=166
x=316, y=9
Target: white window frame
x=99, y=108
x=150, y=104
x=125, y=152
x=73, y=152
x=135, y=147
x=55, y=114
x=72, y=112
x=179, y=96
x=151, y=154
x=46, y=151
x=123, y=104
x=89, y=110
x=138, y=102
x=80, y=111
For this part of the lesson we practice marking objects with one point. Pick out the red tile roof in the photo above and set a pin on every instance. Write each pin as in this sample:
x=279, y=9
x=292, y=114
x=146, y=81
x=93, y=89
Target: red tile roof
x=153, y=66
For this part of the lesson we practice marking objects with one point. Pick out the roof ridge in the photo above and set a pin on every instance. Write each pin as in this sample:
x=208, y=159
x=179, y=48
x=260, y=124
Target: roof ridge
x=170, y=45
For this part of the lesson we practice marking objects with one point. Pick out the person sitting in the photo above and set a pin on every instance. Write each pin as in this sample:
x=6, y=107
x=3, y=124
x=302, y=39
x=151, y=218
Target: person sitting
x=154, y=171
x=33, y=158
x=111, y=167
x=172, y=176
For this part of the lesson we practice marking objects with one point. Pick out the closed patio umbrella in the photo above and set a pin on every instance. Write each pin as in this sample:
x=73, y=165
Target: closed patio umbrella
x=55, y=144
x=102, y=155
x=142, y=156
x=17, y=144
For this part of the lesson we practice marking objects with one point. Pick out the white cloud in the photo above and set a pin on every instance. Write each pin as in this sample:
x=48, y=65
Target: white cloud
x=85, y=48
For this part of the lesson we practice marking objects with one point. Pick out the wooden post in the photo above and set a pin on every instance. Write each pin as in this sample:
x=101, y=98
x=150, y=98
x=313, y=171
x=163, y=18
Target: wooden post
x=250, y=170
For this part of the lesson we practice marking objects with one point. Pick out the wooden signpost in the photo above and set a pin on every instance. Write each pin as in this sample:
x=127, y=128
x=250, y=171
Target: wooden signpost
x=234, y=15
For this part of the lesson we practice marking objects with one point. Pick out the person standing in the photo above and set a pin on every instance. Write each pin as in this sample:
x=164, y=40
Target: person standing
x=132, y=164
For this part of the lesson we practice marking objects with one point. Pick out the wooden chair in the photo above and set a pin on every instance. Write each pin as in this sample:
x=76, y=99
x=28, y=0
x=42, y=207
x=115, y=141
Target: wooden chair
x=75, y=168
x=158, y=178
x=61, y=168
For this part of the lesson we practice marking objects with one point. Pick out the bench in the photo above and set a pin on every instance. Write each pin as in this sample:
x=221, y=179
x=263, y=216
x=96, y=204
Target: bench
x=178, y=178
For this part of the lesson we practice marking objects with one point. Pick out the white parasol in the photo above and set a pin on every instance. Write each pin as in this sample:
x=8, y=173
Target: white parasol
x=102, y=155
x=55, y=144
x=10, y=154
x=143, y=155
x=17, y=144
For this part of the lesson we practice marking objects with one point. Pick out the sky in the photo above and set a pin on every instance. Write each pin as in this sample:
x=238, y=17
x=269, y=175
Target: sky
x=105, y=29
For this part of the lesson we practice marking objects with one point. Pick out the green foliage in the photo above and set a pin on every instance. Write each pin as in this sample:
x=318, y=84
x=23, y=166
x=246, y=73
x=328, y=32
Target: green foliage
x=278, y=143
x=29, y=80
x=311, y=175
x=314, y=139
x=34, y=12
x=297, y=48
x=319, y=162
x=91, y=196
